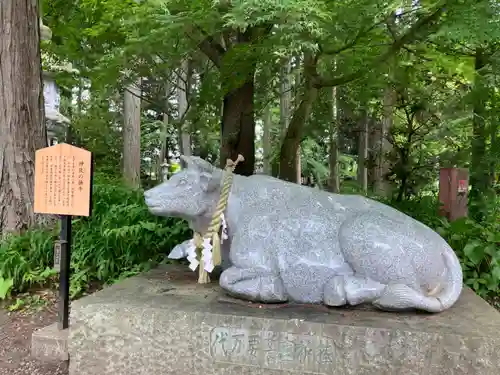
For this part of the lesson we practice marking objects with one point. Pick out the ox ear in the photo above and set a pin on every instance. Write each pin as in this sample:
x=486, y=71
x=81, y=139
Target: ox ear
x=202, y=165
x=198, y=163
x=187, y=161
x=209, y=182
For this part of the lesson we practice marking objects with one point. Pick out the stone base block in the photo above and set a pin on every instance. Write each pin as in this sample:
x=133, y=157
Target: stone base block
x=164, y=323
x=50, y=344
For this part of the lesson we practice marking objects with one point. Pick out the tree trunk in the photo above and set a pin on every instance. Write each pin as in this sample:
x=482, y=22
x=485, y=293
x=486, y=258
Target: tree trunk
x=286, y=96
x=494, y=147
x=373, y=137
x=293, y=137
x=285, y=107
x=184, y=130
x=238, y=127
x=238, y=122
x=333, y=153
x=298, y=159
x=494, y=141
x=363, y=153
x=79, y=98
x=132, y=135
x=291, y=142
x=479, y=177
x=381, y=184
x=402, y=189
x=163, y=156
x=266, y=140
x=298, y=167
x=22, y=126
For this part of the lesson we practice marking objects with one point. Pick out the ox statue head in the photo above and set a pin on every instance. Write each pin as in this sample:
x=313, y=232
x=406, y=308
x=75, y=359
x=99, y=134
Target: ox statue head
x=188, y=194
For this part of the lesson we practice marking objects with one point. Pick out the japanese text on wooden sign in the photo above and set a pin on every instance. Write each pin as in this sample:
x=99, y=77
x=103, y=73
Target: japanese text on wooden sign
x=63, y=180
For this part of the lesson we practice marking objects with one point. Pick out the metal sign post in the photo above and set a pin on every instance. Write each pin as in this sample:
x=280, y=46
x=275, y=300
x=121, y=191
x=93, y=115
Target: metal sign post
x=63, y=186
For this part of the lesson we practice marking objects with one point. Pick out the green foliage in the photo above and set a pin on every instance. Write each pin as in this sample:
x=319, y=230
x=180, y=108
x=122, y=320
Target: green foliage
x=96, y=130
x=26, y=259
x=121, y=238
x=425, y=209
x=5, y=287
x=314, y=163
x=477, y=244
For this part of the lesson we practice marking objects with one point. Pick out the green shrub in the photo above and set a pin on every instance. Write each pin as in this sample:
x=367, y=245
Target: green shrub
x=478, y=247
x=121, y=238
x=25, y=260
x=425, y=209
x=477, y=244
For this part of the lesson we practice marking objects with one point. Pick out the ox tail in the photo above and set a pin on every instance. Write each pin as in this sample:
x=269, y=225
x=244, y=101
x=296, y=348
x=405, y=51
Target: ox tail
x=399, y=296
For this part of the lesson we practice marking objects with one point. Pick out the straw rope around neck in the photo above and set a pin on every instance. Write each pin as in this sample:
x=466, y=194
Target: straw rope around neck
x=212, y=233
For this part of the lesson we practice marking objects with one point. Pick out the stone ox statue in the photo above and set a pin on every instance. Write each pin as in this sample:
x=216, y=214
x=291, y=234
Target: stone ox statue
x=293, y=243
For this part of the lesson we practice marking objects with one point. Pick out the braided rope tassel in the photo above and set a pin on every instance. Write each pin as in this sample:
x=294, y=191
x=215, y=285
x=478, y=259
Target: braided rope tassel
x=215, y=224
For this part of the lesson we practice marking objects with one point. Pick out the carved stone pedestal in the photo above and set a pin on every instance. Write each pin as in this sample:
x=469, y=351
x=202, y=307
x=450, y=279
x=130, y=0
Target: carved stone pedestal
x=165, y=323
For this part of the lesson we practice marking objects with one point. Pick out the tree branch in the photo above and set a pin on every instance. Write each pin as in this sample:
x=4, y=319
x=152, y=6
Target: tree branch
x=416, y=53
x=348, y=45
x=410, y=36
x=150, y=101
x=362, y=33
x=208, y=45
x=447, y=50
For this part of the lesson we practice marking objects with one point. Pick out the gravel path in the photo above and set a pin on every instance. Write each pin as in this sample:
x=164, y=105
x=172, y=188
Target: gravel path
x=15, y=342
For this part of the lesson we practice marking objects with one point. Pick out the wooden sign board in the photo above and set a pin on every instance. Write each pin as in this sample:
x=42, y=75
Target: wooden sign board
x=63, y=180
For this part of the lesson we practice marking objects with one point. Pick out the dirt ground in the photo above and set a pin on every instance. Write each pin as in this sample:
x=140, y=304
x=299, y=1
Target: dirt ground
x=15, y=340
